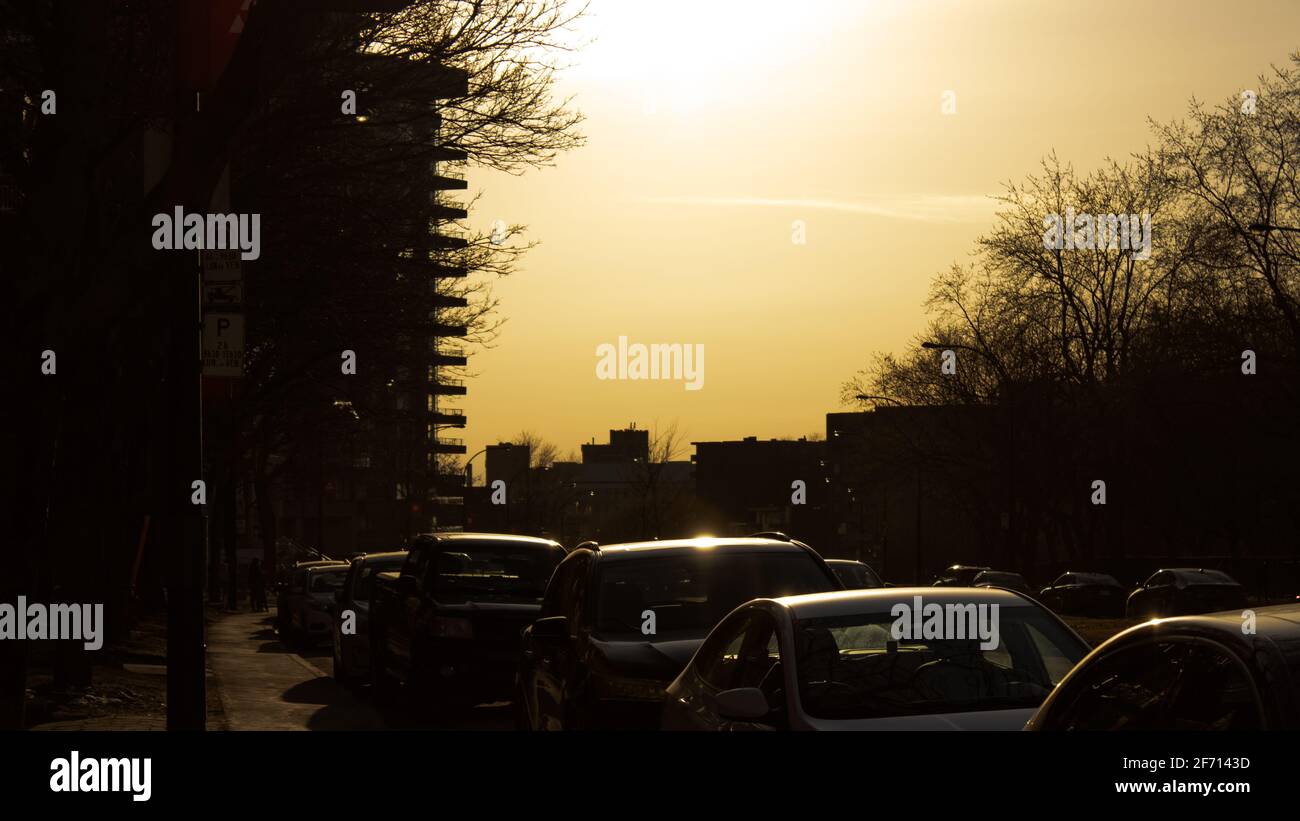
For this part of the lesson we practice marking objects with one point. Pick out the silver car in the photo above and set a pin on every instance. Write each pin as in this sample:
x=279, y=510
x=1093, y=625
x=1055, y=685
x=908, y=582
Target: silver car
x=310, y=600
x=352, y=612
x=831, y=661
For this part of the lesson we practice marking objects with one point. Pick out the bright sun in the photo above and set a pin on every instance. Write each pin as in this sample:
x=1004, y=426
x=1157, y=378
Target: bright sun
x=678, y=56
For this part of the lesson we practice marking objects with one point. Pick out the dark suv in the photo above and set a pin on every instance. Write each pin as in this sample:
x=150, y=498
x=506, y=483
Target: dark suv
x=618, y=623
x=447, y=624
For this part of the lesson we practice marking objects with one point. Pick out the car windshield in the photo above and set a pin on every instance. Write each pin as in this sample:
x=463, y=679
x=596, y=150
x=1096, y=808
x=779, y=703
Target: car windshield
x=1094, y=578
x=856, y=576
x=1202, y=577
x=689, y=594
x=849, y=667
x=1001, y=579
x=494, y=571
x=956, y=575
x=366, y=582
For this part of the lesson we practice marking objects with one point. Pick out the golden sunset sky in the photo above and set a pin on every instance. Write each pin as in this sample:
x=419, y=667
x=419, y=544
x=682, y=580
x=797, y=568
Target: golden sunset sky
x=713, y=125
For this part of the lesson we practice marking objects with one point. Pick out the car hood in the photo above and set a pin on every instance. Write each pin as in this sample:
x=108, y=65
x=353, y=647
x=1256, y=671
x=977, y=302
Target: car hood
x=489, y=607
x=660, y=660
x=982, y=720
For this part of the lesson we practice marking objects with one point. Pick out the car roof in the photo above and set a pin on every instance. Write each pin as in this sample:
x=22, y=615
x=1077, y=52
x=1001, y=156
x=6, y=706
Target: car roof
x=1198, y=573
x=329, y=568
x=370, y=557
x=882, y=599
x=1277, y=622
x=683, y=547
x=479, y=538
x=843, y=562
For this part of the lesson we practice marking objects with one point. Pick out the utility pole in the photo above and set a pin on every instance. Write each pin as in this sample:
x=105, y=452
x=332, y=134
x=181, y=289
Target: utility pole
x=184, y=527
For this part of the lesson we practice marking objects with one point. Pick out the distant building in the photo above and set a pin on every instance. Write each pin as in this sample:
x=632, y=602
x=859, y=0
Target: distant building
x=754, y=485
x=625, y=446
x=508, y=462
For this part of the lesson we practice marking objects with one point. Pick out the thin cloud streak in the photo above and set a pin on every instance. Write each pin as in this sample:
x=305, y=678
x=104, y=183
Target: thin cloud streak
x=923, y=208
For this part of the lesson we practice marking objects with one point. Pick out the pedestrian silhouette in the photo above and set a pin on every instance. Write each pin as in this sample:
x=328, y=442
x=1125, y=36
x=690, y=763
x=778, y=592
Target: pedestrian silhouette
x=256, y=586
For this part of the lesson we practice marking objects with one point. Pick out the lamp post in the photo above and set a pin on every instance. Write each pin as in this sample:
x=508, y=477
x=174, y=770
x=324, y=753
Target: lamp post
x=465, y=470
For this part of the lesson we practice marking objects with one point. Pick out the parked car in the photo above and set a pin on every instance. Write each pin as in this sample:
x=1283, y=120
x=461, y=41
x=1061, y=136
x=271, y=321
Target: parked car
x=1183, y=591
x=1004, y=579
x=958, y=575
x=352, y=650
x=830, y=662
x=620, y=621
x=447, y=624
x=294, y=573
x=1085, y=594
x=309, y=601
x=855, y=575
x=1186, y=673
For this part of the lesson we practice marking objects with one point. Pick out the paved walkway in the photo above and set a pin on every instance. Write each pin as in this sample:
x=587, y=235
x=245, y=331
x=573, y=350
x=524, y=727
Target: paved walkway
x=264, y=686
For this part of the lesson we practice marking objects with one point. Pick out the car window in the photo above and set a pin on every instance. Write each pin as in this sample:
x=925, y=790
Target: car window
x=363, y=586
x=689, y=594
x=761, y=665
x=851, y=667
x=565, y=588
x=1056, y=659
x=504, y=570
x=761, y=651
x=551, y=602
x=1161, y=685
x=575, y=589
x=1160, y=579
x=718, y=663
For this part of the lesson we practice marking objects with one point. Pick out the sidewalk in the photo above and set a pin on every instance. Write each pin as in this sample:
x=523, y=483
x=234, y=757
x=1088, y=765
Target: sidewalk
x=264, y=686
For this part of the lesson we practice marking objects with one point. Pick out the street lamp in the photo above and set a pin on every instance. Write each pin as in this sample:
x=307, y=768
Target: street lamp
x=465, y=469
x=997, y=363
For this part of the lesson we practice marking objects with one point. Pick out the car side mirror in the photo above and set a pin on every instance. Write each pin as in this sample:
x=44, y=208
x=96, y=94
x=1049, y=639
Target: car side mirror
x=742, y=704
x=551, y=629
